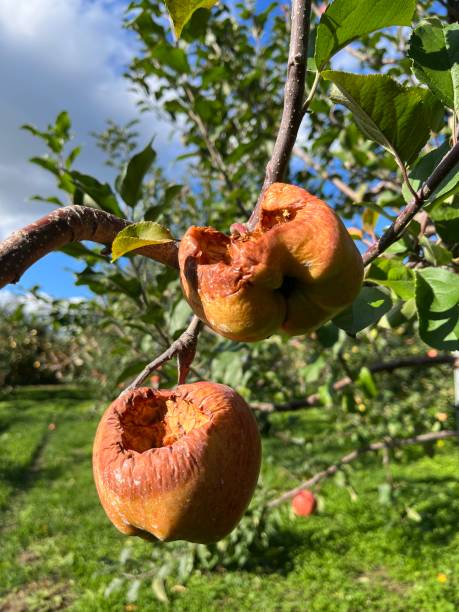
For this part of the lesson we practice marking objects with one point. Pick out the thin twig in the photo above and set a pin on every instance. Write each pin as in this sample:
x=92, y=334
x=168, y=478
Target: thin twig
x=292, y=113
x=337, y=182
x=186, y=343
x=308, y=100
x=406, y=178
x=393, y=233
x=214, y=153
x=63, y=226
x=355, y=454
x=386, y=366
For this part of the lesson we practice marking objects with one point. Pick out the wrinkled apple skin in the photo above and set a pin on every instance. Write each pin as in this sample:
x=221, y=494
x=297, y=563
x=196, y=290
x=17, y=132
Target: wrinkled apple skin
x=295, y=271
x=194, y=488
x=304, y=503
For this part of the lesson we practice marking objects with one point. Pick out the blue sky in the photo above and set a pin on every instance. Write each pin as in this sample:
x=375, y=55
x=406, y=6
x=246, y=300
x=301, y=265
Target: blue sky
x=56, y=55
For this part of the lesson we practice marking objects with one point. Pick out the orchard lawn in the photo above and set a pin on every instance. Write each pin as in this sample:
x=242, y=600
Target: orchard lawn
x=59, y=551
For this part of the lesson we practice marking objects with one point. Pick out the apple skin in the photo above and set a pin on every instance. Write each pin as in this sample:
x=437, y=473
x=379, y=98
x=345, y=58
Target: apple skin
x=177, y=464
x=295, y=271
x=304, y=503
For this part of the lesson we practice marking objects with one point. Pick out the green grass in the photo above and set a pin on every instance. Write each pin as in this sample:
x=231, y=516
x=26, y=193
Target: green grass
x=59, y=551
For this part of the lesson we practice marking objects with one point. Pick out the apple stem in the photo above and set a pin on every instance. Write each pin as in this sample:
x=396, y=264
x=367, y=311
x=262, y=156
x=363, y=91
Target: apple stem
x=184, y=347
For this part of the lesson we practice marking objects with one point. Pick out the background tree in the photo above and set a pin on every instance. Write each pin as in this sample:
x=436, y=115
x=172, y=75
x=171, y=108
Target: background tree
x=383, y=149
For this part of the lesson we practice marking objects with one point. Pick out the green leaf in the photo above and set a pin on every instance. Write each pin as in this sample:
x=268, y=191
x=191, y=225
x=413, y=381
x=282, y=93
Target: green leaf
x=327, y=335
x=393, y=274
x=77, y=250
x=435, y=254
x=434, y=49
x=171, y=192
x=385, y=494
x=46, y=163
x=180, y=317
x=133, y=591
x=181, y=11
x=171, y=56
x=396, y=117
x=159, y=590
x=131, y=370
x=132, y=179
x=312, y=371
x=49, y=200
x=424, y=168
x=130, y=286
x=371, y=304
x=100, y=193
x=153, y=212
x=446, y=219
x=63, y=125
x=74, y=153
x=227, y=368
x=413, y=515
x=139, y=235
x=437, y=302
x=94, y=280
x=346, y=20
x=325, y=395
x=366, y=382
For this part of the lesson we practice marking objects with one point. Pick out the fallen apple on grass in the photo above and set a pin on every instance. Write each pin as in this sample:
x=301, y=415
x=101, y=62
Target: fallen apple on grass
x=177, y=464
x=304, y=503
x=296, y=270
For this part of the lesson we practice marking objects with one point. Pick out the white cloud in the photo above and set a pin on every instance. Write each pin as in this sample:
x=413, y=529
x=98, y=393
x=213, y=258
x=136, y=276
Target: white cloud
x=32, y=306
x=55, y=55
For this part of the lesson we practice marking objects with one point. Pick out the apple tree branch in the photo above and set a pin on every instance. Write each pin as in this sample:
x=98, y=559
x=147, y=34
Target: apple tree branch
x=396, y=229
x=358, y=452
x=292, y=113
x=385, y=366
x=64, y=226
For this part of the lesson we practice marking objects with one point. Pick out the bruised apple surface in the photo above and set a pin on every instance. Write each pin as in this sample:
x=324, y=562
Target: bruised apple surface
x=177, y=464
x=295, y=271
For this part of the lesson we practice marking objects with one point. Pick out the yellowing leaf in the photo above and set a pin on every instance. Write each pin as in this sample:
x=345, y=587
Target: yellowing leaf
x=139, y=235
x=182, y=10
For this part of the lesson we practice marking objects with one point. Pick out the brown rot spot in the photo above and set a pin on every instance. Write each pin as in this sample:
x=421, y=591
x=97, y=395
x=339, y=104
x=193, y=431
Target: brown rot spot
x=156, y=422
x=270, y=218
x=214, y=247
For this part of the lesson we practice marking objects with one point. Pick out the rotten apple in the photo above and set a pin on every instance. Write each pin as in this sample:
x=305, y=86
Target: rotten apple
x=296, y=270
x=177, y=464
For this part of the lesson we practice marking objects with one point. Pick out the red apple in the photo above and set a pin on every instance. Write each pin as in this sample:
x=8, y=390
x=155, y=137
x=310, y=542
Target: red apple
x=177, y=464
x=304, y=503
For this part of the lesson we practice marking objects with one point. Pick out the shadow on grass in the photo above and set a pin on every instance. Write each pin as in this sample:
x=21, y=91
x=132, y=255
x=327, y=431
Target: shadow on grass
x=46, y=392
x=436, y=501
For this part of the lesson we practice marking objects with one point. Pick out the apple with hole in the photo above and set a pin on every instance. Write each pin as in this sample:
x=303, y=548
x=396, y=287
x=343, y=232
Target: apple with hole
x=177, y=464
x=296, y=270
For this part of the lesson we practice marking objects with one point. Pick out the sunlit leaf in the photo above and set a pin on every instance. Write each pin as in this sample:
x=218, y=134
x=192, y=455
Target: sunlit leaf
x=346, y=20
x=132, y=179
x=371, y=304
x=391, y=114
x=139, y=235
x=434, y=49
x=424, y=168
x=100, y=193
x=182, y=10
x=437, y=302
